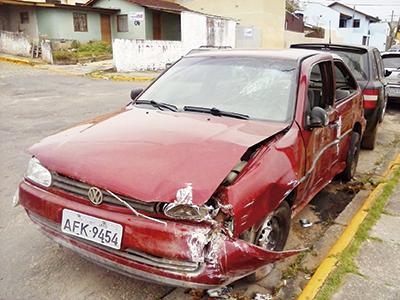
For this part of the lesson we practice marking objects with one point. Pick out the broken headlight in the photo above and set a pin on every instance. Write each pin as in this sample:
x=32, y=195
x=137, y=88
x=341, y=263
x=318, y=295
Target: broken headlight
x=184, y=209
x=37, y=173
x=189, y=212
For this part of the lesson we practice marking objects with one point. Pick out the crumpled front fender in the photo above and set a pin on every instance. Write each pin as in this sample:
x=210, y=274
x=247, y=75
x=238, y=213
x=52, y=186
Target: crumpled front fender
x=230, y=259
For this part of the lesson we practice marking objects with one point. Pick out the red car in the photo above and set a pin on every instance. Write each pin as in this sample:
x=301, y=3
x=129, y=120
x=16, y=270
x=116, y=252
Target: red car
x=194, y=183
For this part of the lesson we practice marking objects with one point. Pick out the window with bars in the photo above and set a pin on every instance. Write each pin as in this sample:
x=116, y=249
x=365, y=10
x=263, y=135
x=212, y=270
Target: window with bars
x=80, y=22
x=122, y=23
x=24, y=17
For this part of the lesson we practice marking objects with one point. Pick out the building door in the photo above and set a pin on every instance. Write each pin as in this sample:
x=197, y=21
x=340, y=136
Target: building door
x=105, y=25
x=156, y=26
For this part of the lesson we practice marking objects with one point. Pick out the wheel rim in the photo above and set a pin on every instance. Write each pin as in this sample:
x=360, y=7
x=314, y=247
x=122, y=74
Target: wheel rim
x=269, y=234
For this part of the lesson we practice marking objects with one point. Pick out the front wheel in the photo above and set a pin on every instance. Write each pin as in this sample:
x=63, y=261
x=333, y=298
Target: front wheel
x=352, y=157
x=272, y=235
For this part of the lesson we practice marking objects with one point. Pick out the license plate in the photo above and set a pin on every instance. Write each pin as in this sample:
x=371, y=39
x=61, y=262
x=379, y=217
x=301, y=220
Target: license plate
x=394, y=91
x=93, y=229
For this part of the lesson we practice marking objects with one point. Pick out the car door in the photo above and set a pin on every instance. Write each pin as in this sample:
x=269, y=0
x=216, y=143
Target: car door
x=345, y=108
x=319, y=141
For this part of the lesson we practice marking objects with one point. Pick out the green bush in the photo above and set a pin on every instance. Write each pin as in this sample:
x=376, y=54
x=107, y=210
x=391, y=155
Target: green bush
x=93, y=48
x=63, y=55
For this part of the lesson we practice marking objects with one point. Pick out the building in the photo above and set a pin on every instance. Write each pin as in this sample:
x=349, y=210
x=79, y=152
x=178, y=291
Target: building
x=143, y=19
x=347, y=24
x=354, y=25
x=54, y=21
x=261, y=23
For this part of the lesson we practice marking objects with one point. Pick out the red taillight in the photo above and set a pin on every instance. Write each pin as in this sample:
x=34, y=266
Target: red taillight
x=370, y=98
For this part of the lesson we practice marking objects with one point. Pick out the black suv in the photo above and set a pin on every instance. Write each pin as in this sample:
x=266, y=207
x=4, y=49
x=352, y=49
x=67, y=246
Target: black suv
x=367, y=67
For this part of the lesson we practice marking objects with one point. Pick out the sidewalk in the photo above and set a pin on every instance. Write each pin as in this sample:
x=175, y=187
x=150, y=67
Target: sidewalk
x=99, y=69
x=377, y=262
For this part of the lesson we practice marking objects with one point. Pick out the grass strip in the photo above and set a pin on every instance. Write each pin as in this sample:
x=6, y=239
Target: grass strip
x=346, y=262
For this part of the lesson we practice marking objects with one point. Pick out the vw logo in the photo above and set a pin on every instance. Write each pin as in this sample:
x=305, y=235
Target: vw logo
x=95, y=195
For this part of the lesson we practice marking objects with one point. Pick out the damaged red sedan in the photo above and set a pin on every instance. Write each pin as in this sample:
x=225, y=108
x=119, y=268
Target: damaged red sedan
x=194, y=183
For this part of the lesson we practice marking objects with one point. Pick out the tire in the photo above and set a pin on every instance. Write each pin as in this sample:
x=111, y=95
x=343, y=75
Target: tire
x=278, y=222
x=352, y=157
x=369, y=140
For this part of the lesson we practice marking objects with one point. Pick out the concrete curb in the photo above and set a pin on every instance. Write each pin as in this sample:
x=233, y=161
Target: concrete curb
x=331, y=260
x=15, y=60
x=118, y=77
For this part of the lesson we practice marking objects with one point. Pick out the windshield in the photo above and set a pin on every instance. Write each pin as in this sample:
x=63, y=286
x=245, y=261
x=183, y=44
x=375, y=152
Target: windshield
x=357, y=63
x=261, y=88
x=392, y=62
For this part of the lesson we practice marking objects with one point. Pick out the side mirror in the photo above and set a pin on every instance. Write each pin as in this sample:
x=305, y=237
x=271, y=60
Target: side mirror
x=387, y=73
x=318, y=118
x=135, y=93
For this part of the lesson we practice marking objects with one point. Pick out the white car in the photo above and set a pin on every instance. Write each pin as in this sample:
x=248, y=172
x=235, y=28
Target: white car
x=391, y=61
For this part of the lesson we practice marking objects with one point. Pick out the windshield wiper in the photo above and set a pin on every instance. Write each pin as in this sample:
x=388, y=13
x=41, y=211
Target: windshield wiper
x=159, y=105
x=216, y=112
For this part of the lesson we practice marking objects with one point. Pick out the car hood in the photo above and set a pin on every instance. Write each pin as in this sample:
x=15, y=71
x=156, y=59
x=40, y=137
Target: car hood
x=150, y=154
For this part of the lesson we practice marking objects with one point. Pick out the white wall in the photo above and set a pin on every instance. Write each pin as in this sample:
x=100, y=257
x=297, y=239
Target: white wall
x=194, y=31
x=139, y=55
x=320, y=15
x=379, y=35
x=14, y=43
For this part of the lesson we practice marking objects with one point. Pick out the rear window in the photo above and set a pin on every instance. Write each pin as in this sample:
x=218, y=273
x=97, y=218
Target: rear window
x=391, y=62
x=357, y=63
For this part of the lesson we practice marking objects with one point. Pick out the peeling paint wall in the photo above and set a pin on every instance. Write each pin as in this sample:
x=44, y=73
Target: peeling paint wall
x=15, y=43
x=47, y=54
x=200, y=30
x=136, y=55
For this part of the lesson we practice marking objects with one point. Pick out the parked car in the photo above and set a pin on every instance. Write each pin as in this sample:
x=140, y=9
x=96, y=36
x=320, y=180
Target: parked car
x=391, y=61
x=395, y=48
x=367, y=67
x=194, y=182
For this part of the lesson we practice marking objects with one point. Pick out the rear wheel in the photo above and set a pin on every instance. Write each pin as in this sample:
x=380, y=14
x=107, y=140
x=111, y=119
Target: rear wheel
x=352, y=157
x=272, y=235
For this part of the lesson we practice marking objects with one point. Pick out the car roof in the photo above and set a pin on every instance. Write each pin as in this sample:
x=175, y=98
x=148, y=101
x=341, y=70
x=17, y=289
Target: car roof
x=288, y=54
x=390, y=53
x=344, y=46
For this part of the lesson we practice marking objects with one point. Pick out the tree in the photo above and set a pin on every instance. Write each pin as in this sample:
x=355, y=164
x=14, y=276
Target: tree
x=292, y=5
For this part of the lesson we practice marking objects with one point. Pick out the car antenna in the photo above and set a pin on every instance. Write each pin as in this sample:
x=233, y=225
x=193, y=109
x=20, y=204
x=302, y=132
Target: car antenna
x=330, y=33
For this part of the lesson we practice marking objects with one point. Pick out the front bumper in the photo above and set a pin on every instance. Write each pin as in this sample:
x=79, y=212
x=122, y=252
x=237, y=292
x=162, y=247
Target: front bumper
x=178, y=254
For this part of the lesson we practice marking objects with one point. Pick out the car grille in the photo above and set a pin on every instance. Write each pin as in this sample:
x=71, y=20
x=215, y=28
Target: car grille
x=81, y=189
x=173, y=266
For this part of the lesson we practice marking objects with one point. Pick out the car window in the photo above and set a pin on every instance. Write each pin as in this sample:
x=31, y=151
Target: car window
x=262, y=88
x=391, y=62
x=379, y=64
x=318, y=87
x=357, y=63
x=344, y=81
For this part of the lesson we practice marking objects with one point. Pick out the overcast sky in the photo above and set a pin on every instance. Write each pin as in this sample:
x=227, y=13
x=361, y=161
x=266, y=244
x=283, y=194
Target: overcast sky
x=383, y=10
